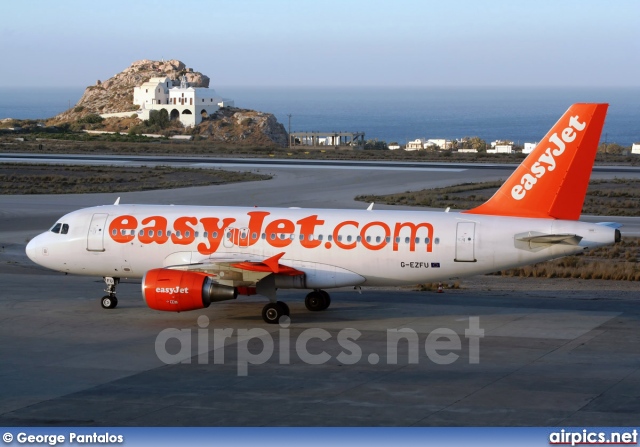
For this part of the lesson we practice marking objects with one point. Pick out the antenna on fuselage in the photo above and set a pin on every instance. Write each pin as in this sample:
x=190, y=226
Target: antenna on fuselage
x=370, y=207
x=117, y=202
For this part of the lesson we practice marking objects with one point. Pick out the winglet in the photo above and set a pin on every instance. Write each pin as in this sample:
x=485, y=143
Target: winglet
x=552, y=181
x=273, y=262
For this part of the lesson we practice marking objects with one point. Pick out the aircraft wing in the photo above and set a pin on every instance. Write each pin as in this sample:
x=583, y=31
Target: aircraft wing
x=240, y=271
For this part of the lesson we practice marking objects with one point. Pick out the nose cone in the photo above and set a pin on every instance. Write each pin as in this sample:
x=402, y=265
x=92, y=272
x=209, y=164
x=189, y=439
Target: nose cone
x=32, y=250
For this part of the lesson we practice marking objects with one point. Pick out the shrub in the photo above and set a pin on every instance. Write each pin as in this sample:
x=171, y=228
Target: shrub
x=91, y=118
x=159, y=118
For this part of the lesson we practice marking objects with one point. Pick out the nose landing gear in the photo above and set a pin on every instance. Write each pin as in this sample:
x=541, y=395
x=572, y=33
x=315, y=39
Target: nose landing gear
x=110, y=301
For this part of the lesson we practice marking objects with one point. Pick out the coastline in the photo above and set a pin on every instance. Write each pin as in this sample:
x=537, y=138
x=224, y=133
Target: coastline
x=393, y=113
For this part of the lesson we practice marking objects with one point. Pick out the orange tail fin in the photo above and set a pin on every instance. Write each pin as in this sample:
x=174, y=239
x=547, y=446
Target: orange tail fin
x=552, y=181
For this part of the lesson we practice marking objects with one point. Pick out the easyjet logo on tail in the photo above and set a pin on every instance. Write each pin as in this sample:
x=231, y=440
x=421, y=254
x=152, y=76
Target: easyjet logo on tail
x=547, y=160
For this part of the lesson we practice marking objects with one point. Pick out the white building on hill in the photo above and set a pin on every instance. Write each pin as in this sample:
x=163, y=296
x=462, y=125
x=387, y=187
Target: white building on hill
x=635, y=148
x=184, y=103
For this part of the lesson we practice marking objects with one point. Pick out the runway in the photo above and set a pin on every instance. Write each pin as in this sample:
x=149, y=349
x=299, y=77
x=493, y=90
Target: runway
x=279, y=163
x=556, y=352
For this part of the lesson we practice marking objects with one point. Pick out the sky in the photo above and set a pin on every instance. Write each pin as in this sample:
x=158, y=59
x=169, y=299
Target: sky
x=328, y=43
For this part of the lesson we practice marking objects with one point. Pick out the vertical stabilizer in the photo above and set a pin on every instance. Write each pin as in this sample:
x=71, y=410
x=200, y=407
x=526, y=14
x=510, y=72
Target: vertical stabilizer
x=552, y=181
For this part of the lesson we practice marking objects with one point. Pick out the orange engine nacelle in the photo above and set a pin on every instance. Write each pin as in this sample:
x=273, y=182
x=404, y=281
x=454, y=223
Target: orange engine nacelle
x=178, y=291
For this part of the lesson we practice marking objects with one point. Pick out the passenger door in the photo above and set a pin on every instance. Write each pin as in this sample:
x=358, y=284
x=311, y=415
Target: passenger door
x=465, y=242
x=95, y=236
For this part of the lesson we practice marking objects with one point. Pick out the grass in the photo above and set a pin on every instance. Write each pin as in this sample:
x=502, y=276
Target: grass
x=613, y=197
x=615, y=262
x=433, y=286
x=55, y=179
x=81, y=143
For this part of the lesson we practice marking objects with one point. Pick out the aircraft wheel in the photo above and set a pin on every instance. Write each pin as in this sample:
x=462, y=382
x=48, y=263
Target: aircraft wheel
x=327, y=299
x=109, y=302
x=272, y=312
x=284, y=307
x=315, y=301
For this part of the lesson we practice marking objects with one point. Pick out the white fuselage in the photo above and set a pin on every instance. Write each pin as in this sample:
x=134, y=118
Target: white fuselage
x=332, y=247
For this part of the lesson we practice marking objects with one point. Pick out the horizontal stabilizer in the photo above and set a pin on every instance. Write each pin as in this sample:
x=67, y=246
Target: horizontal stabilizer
x=550, y=239
x=614, y=225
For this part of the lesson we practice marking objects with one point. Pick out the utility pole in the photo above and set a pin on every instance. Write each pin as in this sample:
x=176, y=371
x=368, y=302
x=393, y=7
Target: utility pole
x=289, y=115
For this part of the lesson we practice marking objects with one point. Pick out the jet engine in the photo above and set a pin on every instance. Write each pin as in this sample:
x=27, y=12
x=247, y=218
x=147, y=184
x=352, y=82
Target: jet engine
x=178, y=291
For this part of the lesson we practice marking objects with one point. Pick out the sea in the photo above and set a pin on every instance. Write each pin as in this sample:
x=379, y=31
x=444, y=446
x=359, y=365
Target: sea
x=394, y=114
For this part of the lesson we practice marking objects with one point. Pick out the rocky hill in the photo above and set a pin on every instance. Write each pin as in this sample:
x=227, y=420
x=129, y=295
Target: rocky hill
x=116, y=93
x=231, y=125
x=240, y=126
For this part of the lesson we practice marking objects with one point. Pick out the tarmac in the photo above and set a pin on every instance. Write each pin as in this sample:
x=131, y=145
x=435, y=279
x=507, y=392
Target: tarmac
x=543, y=353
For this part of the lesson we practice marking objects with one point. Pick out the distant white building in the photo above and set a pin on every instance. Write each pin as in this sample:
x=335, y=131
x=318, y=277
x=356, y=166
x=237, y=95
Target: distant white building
x=415, y=145
x=468, y=150
x=184, y=103
x=501, y=142
x=529, y=147
x=394, y=147
x=501, y=149
x=635, y=148
x=421, y=143
x=440, y=142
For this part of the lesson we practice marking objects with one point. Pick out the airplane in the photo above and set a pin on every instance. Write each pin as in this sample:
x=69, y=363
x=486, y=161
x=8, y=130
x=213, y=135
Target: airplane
x=191, y=256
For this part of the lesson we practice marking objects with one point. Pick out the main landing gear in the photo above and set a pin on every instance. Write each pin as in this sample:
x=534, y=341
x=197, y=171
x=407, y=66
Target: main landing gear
x=272, y=312
x=109, y=301
x=316, y=300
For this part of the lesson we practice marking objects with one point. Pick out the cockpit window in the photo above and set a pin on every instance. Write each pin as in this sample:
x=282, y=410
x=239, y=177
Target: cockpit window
x=56, y=228
x=65, y=229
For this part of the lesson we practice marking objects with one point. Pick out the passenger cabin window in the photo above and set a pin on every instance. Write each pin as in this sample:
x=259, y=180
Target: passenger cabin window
x=56, y=228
